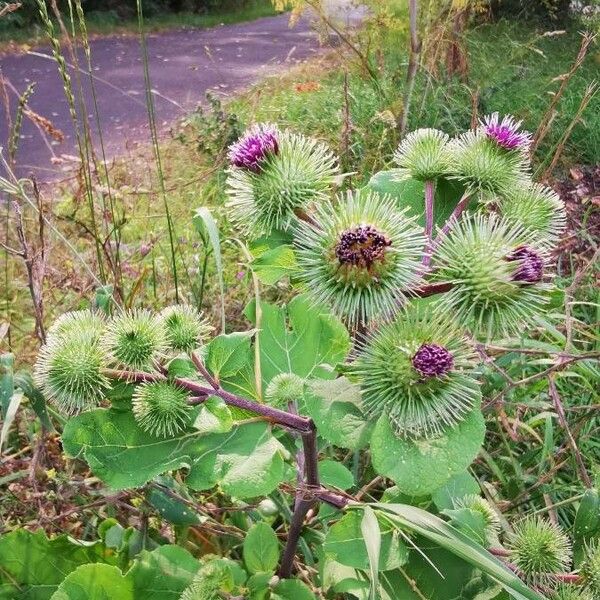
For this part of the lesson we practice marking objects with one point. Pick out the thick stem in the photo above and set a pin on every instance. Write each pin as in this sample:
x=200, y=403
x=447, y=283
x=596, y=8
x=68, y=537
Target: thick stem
x=280, y=417
x=306, y=498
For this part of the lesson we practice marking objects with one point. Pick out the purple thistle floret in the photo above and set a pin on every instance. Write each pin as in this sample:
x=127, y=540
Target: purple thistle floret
x=506, y=133
x=259, y=142
x=531, y=267
x=361, y=246
x=431, y=360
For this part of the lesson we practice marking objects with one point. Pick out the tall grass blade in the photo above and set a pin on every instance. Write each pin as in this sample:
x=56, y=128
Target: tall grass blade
x=155, y=146
x=369, y=527
x=444, y=535
x=205, y=223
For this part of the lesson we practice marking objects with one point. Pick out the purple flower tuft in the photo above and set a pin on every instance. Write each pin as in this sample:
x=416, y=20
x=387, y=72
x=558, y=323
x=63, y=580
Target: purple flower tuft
x=431, y=360
x=361, y=246
x=531, y=265
x=259, y=142
x=506, y=133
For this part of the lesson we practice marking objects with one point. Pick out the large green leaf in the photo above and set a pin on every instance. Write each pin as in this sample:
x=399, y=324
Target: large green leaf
x=162, y=574
x=274, y=264
x=123, y=455
x=291, y=589
x=418, y=467
x=246, y=462
x=458, y=486
x=32, y=566
x=345, y=543
x=336, y=408
x=261, y=549
x=95, y=582
x=431, y=527
x=299, y=338
x=411, y=193
x=229, y=353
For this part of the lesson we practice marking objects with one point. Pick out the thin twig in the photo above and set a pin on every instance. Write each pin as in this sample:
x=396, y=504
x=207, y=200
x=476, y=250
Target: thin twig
x=558, y=407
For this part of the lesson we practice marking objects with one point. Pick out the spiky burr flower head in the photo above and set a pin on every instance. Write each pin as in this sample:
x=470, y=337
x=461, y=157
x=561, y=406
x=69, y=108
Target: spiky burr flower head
x=135, y=340
x=537, y=208
x=589, y=569
x=424, y=155
x=161, y=408
x=484, y=508
x=506, y=133
x=571, y=592
x=257, y=143
x=69, y=367
x=284, y=389
x=87, y=320
x=358, y=255
x=484, y=166
x=494, y=267
x=185, y=328
x=419, y=404
x=539, y=549
x=298, y=176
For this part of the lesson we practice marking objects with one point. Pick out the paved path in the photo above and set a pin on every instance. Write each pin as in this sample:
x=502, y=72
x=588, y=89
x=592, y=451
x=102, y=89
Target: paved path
x=184, y=64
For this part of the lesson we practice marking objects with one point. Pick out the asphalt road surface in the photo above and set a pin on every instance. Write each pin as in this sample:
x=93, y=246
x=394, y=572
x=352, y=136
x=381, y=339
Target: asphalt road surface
x=184, y=65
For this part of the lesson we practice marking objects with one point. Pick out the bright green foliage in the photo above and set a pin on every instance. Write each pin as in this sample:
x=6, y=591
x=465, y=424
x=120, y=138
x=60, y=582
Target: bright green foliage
x=135, y=340
x=33, y=566
x=482, y=165
x=337, y=409
x=261, y=549
x=121, y=453
x=423, y=155
x=161, y=408
x=476, y=258
x=94, y=582
x=418, y=467
x=359, y=255
x=345, y=543
x=300, y=175
x=416, y=406
x=185, y=327
x=539, y=548
x=246, y=462
x=299, y=338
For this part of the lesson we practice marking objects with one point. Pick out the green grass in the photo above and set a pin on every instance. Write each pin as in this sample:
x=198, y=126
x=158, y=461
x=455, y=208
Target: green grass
x=109, y=23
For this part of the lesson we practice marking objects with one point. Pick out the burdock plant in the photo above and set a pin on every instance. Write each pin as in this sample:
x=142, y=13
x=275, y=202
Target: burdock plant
x=161, y=408
x=493, y=157
x=185, y=328
x=539, y=549
x=135, y=340
x=69, y=366
x=358, y=255
x=497, y=272
x=419, y=371
x=424, y=305
x=276, y=176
